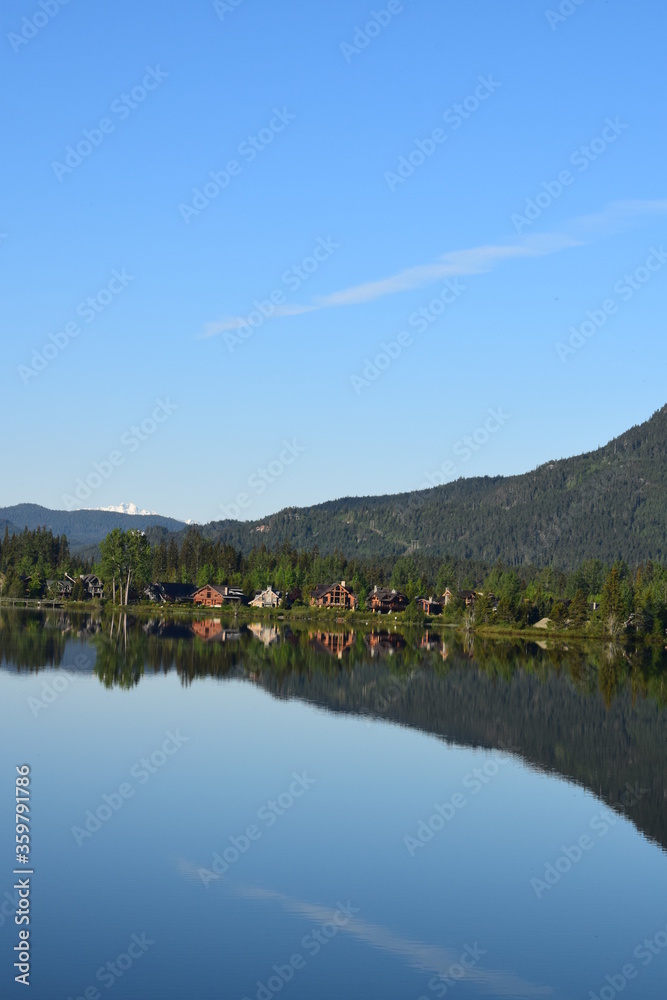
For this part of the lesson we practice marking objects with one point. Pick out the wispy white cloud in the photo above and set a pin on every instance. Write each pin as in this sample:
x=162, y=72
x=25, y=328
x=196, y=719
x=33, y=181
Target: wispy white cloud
x=419, y=955
x=616, y=217
x=457, y=263
x=229, y=323
x=613, y=218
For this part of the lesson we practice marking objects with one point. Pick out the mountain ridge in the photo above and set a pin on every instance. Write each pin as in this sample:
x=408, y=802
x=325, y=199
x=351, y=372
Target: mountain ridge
x=82, y=527
x=607, y=504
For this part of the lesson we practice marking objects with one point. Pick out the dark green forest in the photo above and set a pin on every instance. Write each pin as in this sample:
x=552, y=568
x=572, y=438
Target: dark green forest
x=609, y=505
x=609, y=600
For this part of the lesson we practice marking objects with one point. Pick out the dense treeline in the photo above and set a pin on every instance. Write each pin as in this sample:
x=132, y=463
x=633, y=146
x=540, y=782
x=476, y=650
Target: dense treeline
x=612, y=597
x=609, y=599
x=29, y=558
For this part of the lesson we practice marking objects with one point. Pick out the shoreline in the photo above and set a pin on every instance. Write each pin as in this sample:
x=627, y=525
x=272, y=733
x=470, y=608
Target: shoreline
x=334, y=619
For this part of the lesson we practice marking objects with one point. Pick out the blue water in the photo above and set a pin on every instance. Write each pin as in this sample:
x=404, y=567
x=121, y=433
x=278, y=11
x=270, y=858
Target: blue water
x=323, y=896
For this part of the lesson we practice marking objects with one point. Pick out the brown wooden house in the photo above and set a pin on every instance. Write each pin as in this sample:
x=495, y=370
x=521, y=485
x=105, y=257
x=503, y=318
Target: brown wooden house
x=333, y=595
x=213, y=596
x=383, y=601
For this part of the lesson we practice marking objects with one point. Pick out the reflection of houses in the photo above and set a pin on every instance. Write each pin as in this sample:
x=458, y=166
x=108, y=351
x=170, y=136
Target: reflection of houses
x=334, y=643
x=429, y=605
x=166, y=629
x=212, y=630
x=431, y=641
x=207, y=629
x=384, y=643
x=170, y=593
x=268, y=598
x=333, y=595
x=212, y=596
x=383, y=601
x=266, y=634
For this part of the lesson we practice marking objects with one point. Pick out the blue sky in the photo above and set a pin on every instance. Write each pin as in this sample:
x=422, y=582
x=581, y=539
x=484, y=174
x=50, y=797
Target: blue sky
x=393, y=157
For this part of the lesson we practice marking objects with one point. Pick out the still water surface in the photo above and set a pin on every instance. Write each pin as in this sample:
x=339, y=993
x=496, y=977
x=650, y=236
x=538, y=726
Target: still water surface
x=273, y=812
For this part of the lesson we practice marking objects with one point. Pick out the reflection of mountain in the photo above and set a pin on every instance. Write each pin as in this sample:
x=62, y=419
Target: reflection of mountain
x=595, y=716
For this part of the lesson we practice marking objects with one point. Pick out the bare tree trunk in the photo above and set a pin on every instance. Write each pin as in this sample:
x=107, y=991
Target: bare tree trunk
x=127, y=587
x=113, y=589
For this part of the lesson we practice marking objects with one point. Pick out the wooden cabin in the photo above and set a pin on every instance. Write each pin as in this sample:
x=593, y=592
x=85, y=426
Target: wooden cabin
x=333, y=595
x=214, y=596
x=429, y=605
x=383, y=601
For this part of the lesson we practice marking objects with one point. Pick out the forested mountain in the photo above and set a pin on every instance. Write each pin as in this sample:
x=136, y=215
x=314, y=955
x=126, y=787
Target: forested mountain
x=608, y=504
x=82, y=527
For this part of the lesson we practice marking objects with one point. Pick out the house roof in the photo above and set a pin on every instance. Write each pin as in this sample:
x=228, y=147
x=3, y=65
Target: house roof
x=384, y=594
x=324, y=588
x=176, y=589
x=220, y=590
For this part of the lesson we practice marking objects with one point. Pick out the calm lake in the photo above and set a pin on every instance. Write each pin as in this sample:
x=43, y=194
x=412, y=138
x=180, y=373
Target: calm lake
x=259, y=811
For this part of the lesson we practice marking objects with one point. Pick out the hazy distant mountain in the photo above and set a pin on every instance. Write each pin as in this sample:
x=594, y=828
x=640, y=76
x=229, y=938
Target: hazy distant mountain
x=82, y=527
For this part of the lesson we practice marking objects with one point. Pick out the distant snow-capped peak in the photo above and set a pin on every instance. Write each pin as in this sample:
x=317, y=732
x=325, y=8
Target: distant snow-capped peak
x=128, y=508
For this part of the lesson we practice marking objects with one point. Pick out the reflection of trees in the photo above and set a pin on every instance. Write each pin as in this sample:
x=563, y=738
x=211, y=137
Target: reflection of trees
x=127, y=648
x=589, y=712
x=32, y=641
x=120, y=654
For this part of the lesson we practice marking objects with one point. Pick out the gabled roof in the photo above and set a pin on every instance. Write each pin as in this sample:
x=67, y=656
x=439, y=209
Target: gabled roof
x=324, y=588
x=220, y=590
x=384, y=594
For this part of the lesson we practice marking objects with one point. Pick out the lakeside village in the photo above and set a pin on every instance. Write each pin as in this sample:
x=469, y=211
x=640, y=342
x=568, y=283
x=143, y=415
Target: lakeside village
x=201, y=575
x=463, y=607
x=337, y=596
